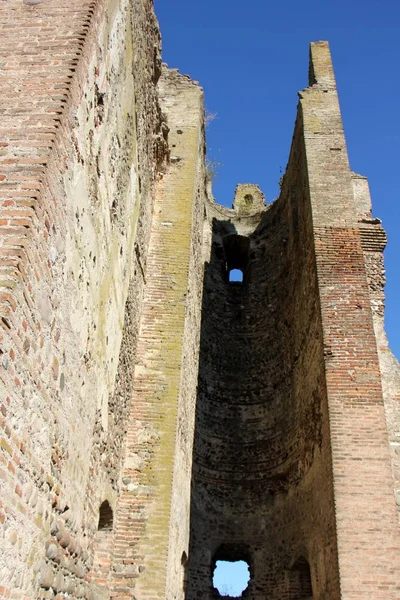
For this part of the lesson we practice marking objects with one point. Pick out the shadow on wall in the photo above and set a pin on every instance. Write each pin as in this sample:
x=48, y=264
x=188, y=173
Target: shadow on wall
x=255, y=436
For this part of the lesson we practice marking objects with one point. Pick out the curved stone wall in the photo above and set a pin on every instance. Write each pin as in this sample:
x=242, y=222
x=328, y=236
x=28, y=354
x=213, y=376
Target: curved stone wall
x=248, y=437
x=261, y=400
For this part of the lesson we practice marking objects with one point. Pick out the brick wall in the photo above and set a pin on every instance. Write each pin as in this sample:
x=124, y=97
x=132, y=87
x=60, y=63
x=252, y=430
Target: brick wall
x=368, y=540
x=152, y=516
x=291, y=455
x=373, y=241
x=80, y=105
x=262, y=487
x=105, y=320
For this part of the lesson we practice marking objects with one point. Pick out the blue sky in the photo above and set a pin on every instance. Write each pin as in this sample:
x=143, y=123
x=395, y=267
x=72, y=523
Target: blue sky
x=231, y=578
x=252, y=58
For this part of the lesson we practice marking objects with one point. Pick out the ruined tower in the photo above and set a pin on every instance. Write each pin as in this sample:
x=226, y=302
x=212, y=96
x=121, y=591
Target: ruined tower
x=158, y=414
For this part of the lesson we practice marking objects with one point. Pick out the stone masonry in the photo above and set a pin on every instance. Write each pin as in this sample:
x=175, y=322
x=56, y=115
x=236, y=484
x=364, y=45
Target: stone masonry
x=158, y=415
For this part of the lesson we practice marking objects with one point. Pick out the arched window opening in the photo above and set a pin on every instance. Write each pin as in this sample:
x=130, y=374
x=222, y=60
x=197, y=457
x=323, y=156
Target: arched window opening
x=231, y=578
x=248, y=199
x=236, y=250
x=103, y=546
x=231, y=570
x=300, y=585
x=105, y=517
x=236, y=275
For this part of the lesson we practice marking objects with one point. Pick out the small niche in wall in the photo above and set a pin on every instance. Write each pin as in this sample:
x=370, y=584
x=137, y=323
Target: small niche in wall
x=103, y=546
x=105, y=517
x=184, y=563
x=231, y=578
x=300, y=586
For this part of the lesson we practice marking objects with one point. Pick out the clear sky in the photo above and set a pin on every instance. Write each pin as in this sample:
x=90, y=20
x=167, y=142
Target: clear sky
x=231, y=578
x=251, y=58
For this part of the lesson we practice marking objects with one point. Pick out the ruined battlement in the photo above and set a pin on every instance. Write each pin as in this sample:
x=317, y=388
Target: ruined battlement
x=157, y=413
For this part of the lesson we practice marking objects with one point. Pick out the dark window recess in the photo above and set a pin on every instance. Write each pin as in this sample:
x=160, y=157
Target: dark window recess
x=300, y=580
x=236, y=249
x=105, y=517
x=103, y=546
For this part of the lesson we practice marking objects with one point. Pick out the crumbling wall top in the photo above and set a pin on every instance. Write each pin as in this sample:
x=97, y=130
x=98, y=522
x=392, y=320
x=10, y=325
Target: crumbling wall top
x=248, y=199
x=321, y=67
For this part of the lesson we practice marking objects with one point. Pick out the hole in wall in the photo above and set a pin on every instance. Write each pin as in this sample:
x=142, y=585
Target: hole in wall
x=105, y=517
x=300, y=585
x=6, y=323
x=103, y=546
x=113, y=210
x=248, y=199
x=235, y=275
x=236, y=250
x=231, y=578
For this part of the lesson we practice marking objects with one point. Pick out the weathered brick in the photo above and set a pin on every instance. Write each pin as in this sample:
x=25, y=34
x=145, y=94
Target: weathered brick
x=158, y=421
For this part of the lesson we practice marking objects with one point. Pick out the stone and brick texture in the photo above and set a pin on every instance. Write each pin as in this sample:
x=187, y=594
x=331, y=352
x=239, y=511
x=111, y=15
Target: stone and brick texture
x=373, y=242
x=152, y=519
x=82, y=142
x=291, y=458
x=262, y=488
x=212, y=419
x=365, y=510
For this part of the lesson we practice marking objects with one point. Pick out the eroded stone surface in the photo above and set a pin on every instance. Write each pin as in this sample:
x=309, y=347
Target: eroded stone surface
x=156, y=416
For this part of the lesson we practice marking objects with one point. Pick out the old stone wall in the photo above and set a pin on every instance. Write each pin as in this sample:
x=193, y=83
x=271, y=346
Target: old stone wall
x=81, y=142
x=291, y=468
x=154, y=421
x=262, y=482
x=152, y=526
x=373, y=241
x=365, y=511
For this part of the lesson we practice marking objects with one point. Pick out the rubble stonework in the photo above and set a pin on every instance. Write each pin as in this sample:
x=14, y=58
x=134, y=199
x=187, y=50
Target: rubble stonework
x=156, y=416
